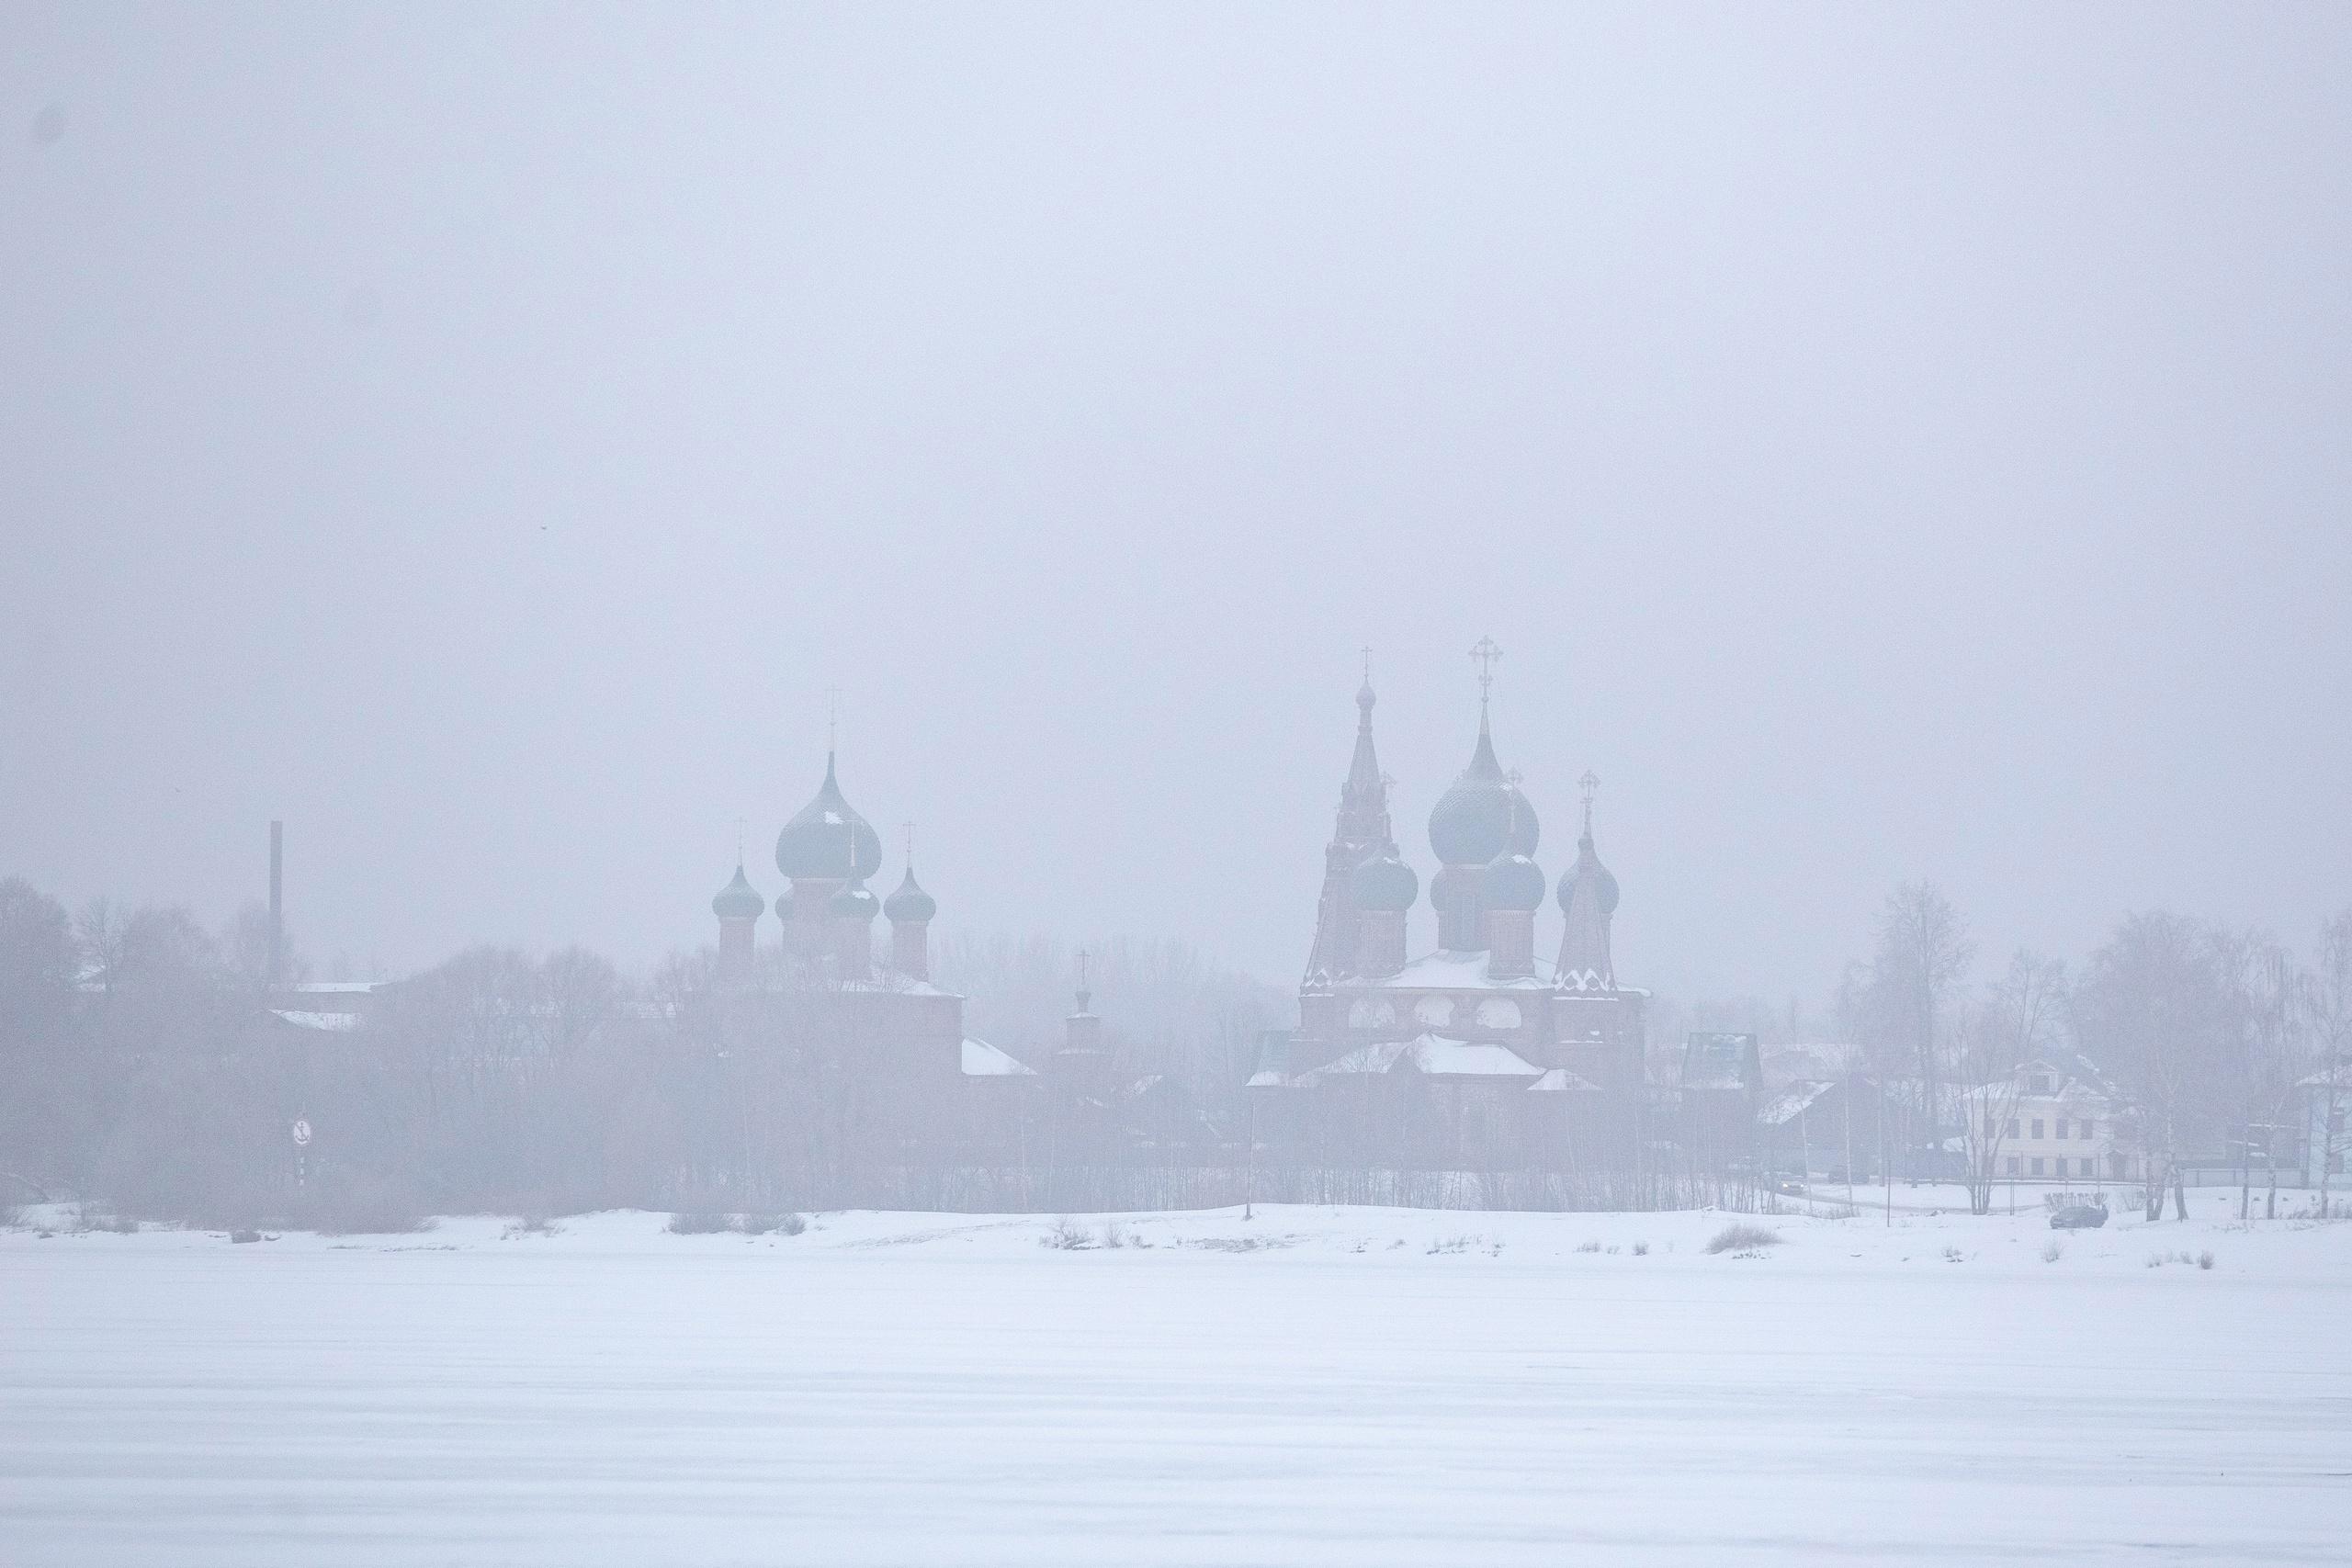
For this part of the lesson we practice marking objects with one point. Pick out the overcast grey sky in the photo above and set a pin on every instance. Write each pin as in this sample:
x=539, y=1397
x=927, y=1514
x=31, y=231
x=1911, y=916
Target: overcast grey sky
x=1888, y=442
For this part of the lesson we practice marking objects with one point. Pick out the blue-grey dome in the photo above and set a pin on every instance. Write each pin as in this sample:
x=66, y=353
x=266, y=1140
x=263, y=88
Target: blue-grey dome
x=1589, y=864
x=1513, y=882
x=1384, y=882
x=1483, y=813
x=853, y=902
x=784, y=905
x=739, y=900
x=828, y=838
x=909, y=902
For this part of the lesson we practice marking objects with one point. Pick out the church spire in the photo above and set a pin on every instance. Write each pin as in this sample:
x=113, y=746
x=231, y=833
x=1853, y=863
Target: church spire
x=1360, y=833
x=1588, y=900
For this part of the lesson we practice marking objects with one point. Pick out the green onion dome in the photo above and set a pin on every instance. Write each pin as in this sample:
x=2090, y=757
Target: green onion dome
x=1384, y=882
x=829, y=840
x=909, y=902
x=1512, y=882
x=739, y=900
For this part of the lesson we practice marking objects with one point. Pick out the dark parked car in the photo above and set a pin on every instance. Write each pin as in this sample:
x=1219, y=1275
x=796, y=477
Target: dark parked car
x=2080, y=1217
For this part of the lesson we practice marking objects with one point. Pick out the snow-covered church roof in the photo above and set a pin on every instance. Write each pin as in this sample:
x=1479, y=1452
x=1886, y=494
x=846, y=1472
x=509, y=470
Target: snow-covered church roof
x=982, y=1060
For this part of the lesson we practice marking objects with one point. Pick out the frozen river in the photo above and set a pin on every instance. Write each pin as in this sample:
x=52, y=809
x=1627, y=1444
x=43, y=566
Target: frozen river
x=1359, y=1387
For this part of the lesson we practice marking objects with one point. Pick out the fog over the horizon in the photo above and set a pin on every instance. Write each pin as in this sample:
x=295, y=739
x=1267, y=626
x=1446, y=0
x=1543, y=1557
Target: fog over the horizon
x=1887, y=444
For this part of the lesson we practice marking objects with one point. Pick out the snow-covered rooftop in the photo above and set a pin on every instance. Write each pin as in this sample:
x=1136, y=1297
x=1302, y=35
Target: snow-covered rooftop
x=1450, y=971
x=336, y=1022
x=1793, y=1102
x=1436, y=1055
x=982, y=1060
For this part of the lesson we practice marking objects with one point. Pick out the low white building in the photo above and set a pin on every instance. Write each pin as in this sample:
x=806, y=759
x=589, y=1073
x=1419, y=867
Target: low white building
x=2054, y=1121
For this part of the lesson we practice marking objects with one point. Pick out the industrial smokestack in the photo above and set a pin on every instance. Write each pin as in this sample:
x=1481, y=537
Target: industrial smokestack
x=277, y=901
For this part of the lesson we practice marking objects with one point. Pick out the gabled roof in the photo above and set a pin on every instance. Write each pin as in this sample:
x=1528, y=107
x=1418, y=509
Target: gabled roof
x=332, y=1023
x=1794, y=1101
x=982, y=1060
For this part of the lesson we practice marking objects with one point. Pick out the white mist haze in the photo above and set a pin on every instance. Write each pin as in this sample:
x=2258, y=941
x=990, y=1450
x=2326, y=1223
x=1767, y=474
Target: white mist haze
x=1886, y=445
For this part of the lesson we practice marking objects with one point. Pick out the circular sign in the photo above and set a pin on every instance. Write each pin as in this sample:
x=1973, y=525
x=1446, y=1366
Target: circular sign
x=302, y=1133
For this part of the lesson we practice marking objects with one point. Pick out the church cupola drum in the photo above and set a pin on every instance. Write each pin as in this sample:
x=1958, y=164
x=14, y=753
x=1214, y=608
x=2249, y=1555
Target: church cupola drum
x=738, y=908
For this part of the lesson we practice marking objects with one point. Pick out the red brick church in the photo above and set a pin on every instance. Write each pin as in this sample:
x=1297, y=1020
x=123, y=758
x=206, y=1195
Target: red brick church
x=1467, y=1047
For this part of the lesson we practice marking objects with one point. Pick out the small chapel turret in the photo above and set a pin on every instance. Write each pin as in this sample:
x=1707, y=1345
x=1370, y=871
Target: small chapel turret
x=738, y=908
x=1588, y=900
x=910, y=910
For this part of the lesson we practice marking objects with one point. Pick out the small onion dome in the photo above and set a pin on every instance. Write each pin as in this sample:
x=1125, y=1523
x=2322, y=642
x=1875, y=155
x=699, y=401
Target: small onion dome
x=739, y=900
x=783, y=906
x=854, y=903
x=1589, y=864
x=909, y=902
x=1384, y=882
x=1512, y=882
x=1454, y=887
x=827, y=839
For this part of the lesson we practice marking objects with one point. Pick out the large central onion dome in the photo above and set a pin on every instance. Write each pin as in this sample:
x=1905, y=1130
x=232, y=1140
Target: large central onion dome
x=739, y=900
x=1484, y=814
x=1384, y=882
x=827, y=839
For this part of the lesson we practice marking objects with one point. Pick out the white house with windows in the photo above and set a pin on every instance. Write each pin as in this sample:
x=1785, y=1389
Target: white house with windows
x=2054, y=1121
x=2327, y=1107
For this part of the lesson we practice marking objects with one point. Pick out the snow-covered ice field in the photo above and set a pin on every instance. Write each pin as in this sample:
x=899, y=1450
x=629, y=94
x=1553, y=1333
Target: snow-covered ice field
x=1327, y=1386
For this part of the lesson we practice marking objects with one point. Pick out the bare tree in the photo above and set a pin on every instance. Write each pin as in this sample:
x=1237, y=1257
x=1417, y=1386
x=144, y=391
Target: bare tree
x=2154, y=1003
x=1923, y=951
x=2020, y=1011
x=2328, y=1009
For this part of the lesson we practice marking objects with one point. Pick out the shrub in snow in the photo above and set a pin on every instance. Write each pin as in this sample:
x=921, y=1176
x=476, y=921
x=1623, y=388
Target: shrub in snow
x=358, y=1206
x=2205, y=1261
x=1588, y=1246
x=699, y=1225
x=1742, y=1237
x=763, y=1225
x=532, y=1224
x=245, y=1235
x=1952, y=1255
x=1641, y=1249
x=1113, y=1236
x=1066, y=1236
x=2052, y=1250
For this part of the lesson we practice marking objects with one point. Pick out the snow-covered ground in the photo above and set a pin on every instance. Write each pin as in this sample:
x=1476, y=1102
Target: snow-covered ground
x=1314, y=1385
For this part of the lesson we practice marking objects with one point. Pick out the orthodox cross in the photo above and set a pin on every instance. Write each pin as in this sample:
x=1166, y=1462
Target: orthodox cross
x=910, y=830
x=1511, y=833
x=738, y=843
x=832, y=716
x=1084, y=996
x=1367, y=665
x=1590, y=785
x=1484, y=655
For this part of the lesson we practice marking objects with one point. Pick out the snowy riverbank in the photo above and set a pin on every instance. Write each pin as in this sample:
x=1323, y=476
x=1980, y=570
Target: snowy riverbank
x=1343, y=1386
